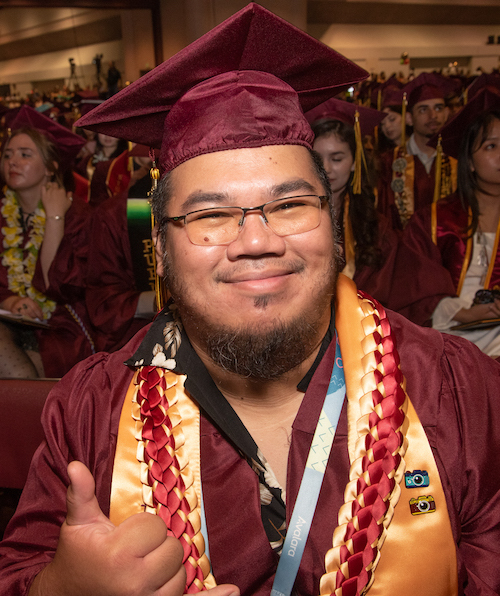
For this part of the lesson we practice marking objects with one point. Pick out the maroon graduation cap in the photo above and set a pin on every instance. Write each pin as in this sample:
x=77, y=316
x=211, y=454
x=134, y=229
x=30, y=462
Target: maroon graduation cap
x=338, y=109
x=482, y=81
x=68, y=143
x=451, y=134
x=245, y=83
x=427, y=85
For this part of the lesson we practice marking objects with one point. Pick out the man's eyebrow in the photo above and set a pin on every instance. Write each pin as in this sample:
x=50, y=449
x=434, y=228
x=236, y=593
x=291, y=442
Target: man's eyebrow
x=291, y=186
x=199, y=197
x=427, y=105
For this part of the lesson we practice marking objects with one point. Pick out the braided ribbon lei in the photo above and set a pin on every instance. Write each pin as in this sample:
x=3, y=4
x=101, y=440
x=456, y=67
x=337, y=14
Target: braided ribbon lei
x=377, y=465
x=168, y=485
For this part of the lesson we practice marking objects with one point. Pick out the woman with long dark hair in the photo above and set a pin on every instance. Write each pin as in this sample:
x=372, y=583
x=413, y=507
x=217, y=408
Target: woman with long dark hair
x=454, y=245
x=369, y=245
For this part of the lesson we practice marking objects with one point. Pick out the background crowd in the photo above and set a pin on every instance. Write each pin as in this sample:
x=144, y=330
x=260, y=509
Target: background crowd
x=414, y=166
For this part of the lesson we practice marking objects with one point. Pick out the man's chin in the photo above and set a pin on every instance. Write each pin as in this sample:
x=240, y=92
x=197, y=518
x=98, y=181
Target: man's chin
x=263, y=352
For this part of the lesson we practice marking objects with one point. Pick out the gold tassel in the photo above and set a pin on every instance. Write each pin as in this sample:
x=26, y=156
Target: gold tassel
x=359, y=158
x=154, y=172
x=403, y=123
x=437, y=184
x=161, y=292
x=466, y=96
x=130, y=165
x=379, y=100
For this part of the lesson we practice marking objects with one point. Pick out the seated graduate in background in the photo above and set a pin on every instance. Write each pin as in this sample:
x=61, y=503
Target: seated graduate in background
x=388, y=97
x=120, y=294
x=448, y=264
x=97, y=168
x=412, y=177
x=44, y=232
x=369, y=241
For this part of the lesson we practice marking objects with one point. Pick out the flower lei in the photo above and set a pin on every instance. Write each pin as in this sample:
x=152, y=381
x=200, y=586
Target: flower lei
x=20, y=268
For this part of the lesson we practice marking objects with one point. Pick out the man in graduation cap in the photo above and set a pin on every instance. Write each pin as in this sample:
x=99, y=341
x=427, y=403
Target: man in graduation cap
x=214, y=440
x=415, y=175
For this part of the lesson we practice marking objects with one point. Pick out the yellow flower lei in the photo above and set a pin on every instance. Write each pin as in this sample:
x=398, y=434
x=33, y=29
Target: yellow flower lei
x=20, y=269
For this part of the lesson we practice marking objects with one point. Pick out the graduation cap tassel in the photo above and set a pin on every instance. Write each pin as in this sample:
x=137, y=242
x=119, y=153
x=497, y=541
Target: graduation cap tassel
x=403, y=123
x=160, y=289
x=130, y=165
x=439, y=158
x=359, y=158
x=154, y=172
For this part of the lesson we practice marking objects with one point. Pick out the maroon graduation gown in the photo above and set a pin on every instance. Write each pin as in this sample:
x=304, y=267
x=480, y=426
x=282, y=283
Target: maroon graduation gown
x=453, y=386
x=112, y=295
x=65, y=343
x=377, y=282
x=426, y=272
x=423, y=188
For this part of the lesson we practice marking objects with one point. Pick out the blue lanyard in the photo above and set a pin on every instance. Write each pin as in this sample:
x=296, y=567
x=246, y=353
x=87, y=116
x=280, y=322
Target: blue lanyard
x=310, y=486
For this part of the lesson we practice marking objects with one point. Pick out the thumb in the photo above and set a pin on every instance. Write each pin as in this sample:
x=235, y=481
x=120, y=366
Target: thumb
x=81, y=502
x=224, y=590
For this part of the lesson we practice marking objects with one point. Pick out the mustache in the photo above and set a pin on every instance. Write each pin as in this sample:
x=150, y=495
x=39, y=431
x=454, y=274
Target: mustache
x=290, y=266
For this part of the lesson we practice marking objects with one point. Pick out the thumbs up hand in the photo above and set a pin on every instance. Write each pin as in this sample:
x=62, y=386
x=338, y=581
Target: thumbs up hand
x=95, y=557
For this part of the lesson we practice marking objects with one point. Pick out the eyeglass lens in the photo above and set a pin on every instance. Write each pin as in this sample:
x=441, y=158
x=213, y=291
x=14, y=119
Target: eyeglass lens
x=285, y=217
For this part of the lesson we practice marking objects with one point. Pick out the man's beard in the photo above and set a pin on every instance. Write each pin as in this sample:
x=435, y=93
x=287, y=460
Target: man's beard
x=256, y=353
x=262, y=355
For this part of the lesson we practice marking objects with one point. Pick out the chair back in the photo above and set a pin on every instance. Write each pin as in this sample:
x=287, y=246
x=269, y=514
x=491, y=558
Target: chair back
x=21, y=403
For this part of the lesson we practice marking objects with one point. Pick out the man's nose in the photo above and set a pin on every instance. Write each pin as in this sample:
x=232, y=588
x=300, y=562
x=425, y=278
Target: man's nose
x=255, y=238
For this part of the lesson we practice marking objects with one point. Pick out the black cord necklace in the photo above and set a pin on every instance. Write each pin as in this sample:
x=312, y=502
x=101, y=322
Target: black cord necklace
x=26, y=219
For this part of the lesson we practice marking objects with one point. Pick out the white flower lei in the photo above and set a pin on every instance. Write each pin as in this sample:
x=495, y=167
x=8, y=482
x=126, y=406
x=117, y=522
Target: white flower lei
x=20, y=269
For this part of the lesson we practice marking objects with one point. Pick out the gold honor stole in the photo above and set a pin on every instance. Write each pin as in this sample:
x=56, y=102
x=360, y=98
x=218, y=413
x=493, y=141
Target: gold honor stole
x=469, y=246
x=418, y=553
x=402, y=184
x=349, y=244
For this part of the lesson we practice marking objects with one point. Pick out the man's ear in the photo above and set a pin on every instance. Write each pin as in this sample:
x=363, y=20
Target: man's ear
x=409, y=119
x=158, y=251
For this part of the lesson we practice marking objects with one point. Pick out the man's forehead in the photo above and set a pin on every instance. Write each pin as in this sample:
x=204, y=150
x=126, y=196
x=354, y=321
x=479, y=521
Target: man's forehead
x=242, y=177
x=259, y=165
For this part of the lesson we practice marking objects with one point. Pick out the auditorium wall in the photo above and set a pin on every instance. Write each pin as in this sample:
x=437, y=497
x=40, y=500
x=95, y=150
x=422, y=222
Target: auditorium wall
x=36, y=44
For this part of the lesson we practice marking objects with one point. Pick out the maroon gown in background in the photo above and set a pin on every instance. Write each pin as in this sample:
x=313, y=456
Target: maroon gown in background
x=423, y=188
x=426, y=272
x=453, y=386
x=65, y=343
x=112, y=294
x=377, y=282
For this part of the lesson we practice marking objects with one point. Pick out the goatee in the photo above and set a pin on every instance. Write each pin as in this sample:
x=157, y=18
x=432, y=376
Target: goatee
x=262, y=355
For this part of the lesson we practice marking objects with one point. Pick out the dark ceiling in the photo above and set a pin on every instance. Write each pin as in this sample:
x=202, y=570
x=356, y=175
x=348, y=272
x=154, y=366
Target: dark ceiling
x=330, y=11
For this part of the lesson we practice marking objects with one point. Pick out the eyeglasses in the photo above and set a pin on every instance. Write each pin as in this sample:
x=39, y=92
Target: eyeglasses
x=221, y=225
